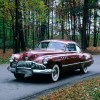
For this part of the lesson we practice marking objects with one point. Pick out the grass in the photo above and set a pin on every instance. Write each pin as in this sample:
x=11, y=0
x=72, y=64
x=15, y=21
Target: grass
x=85, y=90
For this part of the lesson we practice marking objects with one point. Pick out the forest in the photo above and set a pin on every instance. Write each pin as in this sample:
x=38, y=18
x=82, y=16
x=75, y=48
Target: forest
x=23, y=23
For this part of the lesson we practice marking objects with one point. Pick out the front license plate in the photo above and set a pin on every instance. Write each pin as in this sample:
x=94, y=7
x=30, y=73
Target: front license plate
x=25, y=71
x=21, y=71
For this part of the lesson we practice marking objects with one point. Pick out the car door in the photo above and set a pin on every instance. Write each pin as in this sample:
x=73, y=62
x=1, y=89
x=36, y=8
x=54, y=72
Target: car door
x=73, y=56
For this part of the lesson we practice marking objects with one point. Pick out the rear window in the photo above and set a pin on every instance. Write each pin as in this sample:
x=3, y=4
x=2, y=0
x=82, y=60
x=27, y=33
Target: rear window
x=71, y=47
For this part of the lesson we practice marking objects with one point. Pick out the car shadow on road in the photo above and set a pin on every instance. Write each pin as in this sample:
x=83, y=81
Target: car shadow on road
x=36, y=79
x=45, y=79
x=69, y=74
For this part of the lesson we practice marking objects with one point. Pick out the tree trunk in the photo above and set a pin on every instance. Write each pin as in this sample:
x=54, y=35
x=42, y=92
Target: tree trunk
x=16, y=28
x=95, y=31
x=62, y=23
x=19, y=36
x=74, y=20
x=85, y=21
x=43, y=31
x=4, y=47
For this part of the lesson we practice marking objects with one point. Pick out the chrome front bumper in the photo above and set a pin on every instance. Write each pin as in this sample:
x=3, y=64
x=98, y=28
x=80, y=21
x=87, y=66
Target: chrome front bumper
x=29, y=71
x=29, y=67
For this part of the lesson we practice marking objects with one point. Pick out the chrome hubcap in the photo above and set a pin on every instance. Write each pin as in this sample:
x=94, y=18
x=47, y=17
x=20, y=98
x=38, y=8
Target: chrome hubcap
x=55, y=74
x=85, y=69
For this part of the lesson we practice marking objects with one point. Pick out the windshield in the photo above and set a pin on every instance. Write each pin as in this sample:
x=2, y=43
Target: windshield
x=51, y=46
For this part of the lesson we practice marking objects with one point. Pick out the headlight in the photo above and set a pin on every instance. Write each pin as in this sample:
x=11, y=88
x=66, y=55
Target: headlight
x=12, y=58
x=45, y=60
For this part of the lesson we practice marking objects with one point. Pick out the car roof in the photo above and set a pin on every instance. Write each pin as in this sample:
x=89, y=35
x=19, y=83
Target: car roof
x=61, y=41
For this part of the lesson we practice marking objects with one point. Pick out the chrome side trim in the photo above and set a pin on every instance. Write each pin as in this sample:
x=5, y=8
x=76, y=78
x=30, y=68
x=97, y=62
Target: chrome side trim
x=46, y=71
x=77, y=63
x=70, y=64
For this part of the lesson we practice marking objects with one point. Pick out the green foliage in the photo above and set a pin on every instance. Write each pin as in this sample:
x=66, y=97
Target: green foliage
x=7, y=9
x=35, y=13
x=3, y=61
x=93, y=1
x=37, y=9
x=8, y=43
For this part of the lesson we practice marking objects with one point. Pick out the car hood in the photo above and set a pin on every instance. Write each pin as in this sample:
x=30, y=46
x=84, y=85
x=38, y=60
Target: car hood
x=32, y=54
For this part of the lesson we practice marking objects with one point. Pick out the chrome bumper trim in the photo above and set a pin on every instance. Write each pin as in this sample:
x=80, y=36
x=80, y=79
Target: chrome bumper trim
x=30, y=71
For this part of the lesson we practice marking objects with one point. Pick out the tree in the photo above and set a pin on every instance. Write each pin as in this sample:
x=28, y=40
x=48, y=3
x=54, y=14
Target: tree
x=36, y=20
x=22, y=13
x=85, y=21
x=84, y=37
x=19, y=36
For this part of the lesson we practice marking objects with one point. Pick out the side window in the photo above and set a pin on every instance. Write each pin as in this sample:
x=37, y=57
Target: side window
x=71, y=47
x=78, y=49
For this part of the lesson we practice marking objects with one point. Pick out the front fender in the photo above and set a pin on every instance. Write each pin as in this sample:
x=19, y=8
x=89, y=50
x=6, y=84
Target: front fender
x=54, y=60
x=51, y=60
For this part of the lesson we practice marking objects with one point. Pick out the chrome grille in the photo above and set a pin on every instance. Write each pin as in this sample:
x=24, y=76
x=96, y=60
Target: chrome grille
x=25, y=64
x=28, y=64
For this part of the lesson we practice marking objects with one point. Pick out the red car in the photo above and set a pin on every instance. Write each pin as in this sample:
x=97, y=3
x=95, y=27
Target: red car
x=50, y=57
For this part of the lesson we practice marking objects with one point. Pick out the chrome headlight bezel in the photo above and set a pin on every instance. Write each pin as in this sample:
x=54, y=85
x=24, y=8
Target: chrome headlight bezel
x=11, y=58
x=45, y=60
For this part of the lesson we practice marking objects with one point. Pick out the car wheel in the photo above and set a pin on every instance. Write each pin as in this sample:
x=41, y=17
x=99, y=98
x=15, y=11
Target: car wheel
x=83, y=69
x=56, y=73
x=19, y=76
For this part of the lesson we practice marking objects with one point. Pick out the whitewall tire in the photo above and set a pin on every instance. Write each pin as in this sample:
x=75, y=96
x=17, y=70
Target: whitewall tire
x=55, y=75
x=83, y=69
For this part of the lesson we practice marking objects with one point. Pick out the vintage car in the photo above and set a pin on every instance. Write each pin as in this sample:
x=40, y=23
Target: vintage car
x=50, y=57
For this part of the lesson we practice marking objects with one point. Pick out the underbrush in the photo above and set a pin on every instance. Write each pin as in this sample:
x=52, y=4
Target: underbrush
x=93, y=50
x=4, y=57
